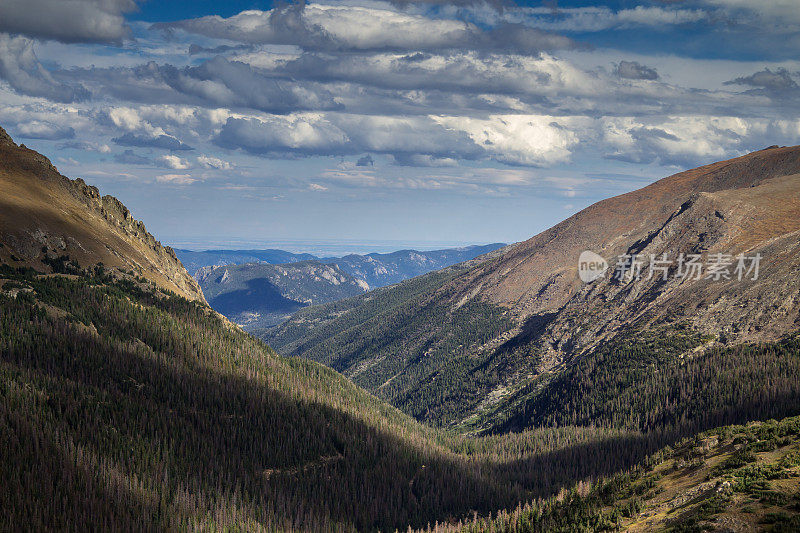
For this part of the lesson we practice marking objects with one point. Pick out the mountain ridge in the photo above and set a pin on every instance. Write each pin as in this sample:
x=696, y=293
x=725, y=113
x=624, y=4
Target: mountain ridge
x=539, y=318
x=47, y=217
x=260, y=295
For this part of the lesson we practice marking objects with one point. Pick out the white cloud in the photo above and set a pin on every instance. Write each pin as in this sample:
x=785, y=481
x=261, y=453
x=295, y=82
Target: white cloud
x=20, y=67
x=174, y=162
x=127, y=118
x=682, y=140
x=214, y=162
x=519, y=139
x=176, y=179
x=378, y=27
x=44, y=130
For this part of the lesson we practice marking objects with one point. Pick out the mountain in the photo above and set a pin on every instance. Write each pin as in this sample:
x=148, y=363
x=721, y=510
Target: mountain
x=514, y=341
x=376, y=269
x=379, y=270
x=126, y=403
x=50, y=223
x=195, y=260
x=258, y=295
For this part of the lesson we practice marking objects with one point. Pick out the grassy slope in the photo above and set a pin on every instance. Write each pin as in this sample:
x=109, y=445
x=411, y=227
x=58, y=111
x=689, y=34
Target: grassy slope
x=126, y=408
x=733, y=478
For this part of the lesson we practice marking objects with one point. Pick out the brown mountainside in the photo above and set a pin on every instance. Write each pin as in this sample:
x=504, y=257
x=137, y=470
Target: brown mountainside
x=457, y=343
x=748, y=205
x=42, y=210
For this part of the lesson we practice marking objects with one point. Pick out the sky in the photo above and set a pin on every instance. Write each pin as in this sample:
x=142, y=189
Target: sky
x=252, y=124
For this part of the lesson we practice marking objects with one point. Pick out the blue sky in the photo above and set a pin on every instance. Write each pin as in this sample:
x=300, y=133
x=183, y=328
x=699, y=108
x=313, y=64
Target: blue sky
x=405, y=122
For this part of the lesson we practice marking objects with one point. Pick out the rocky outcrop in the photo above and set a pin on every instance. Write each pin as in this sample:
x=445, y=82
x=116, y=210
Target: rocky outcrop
x=45, y=214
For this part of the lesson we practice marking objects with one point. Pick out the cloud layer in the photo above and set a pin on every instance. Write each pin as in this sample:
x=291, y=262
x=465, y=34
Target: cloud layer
x=69, y=21
x=437, y=85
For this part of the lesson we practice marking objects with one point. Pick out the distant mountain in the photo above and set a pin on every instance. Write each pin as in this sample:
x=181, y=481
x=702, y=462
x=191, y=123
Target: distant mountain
x=376, y=269
x=55, y=224
x=193, y=261
x=379, y=270
x=259, y=295
x=519, y=340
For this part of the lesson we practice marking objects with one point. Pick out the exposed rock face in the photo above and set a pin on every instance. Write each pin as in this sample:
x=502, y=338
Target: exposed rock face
x=44, y=213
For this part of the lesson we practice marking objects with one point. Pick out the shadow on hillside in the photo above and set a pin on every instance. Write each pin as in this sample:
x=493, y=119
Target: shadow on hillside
x=207, y=442
x=259, y=296
x=204, y=442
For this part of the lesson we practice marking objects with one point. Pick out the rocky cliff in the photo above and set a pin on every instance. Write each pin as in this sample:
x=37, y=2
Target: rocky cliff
x=44, y=215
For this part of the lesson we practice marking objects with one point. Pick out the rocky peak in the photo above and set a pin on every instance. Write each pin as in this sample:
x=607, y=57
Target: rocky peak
x=5, y=138
x=43, y=210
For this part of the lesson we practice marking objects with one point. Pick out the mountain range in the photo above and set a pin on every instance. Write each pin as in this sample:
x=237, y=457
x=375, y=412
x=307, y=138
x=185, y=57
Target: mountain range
x=635, y=403
x=260, y=294
x=490, y=346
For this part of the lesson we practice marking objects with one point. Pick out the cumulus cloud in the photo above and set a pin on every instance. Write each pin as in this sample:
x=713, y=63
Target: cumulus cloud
x=214, y=163
x=306, y=135
x=419, y=141
x=519, y=139
x=635, y=71
x=779, y=80
x=341, y=28
x=20, y=67
x=164, y=142
x=44, y=130
x=232, y=83
x=682, y=141
x=176, y=179
x=68, y=21
x=174, y=162
x=217, y=82
x=457, y=72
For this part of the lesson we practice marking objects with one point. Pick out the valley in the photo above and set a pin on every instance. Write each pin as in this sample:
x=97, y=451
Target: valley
x=468, y=398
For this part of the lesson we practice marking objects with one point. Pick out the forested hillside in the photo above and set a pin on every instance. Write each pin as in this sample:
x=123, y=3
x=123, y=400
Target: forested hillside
x=519, y=340
x=734, y=478
x=123, y=406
